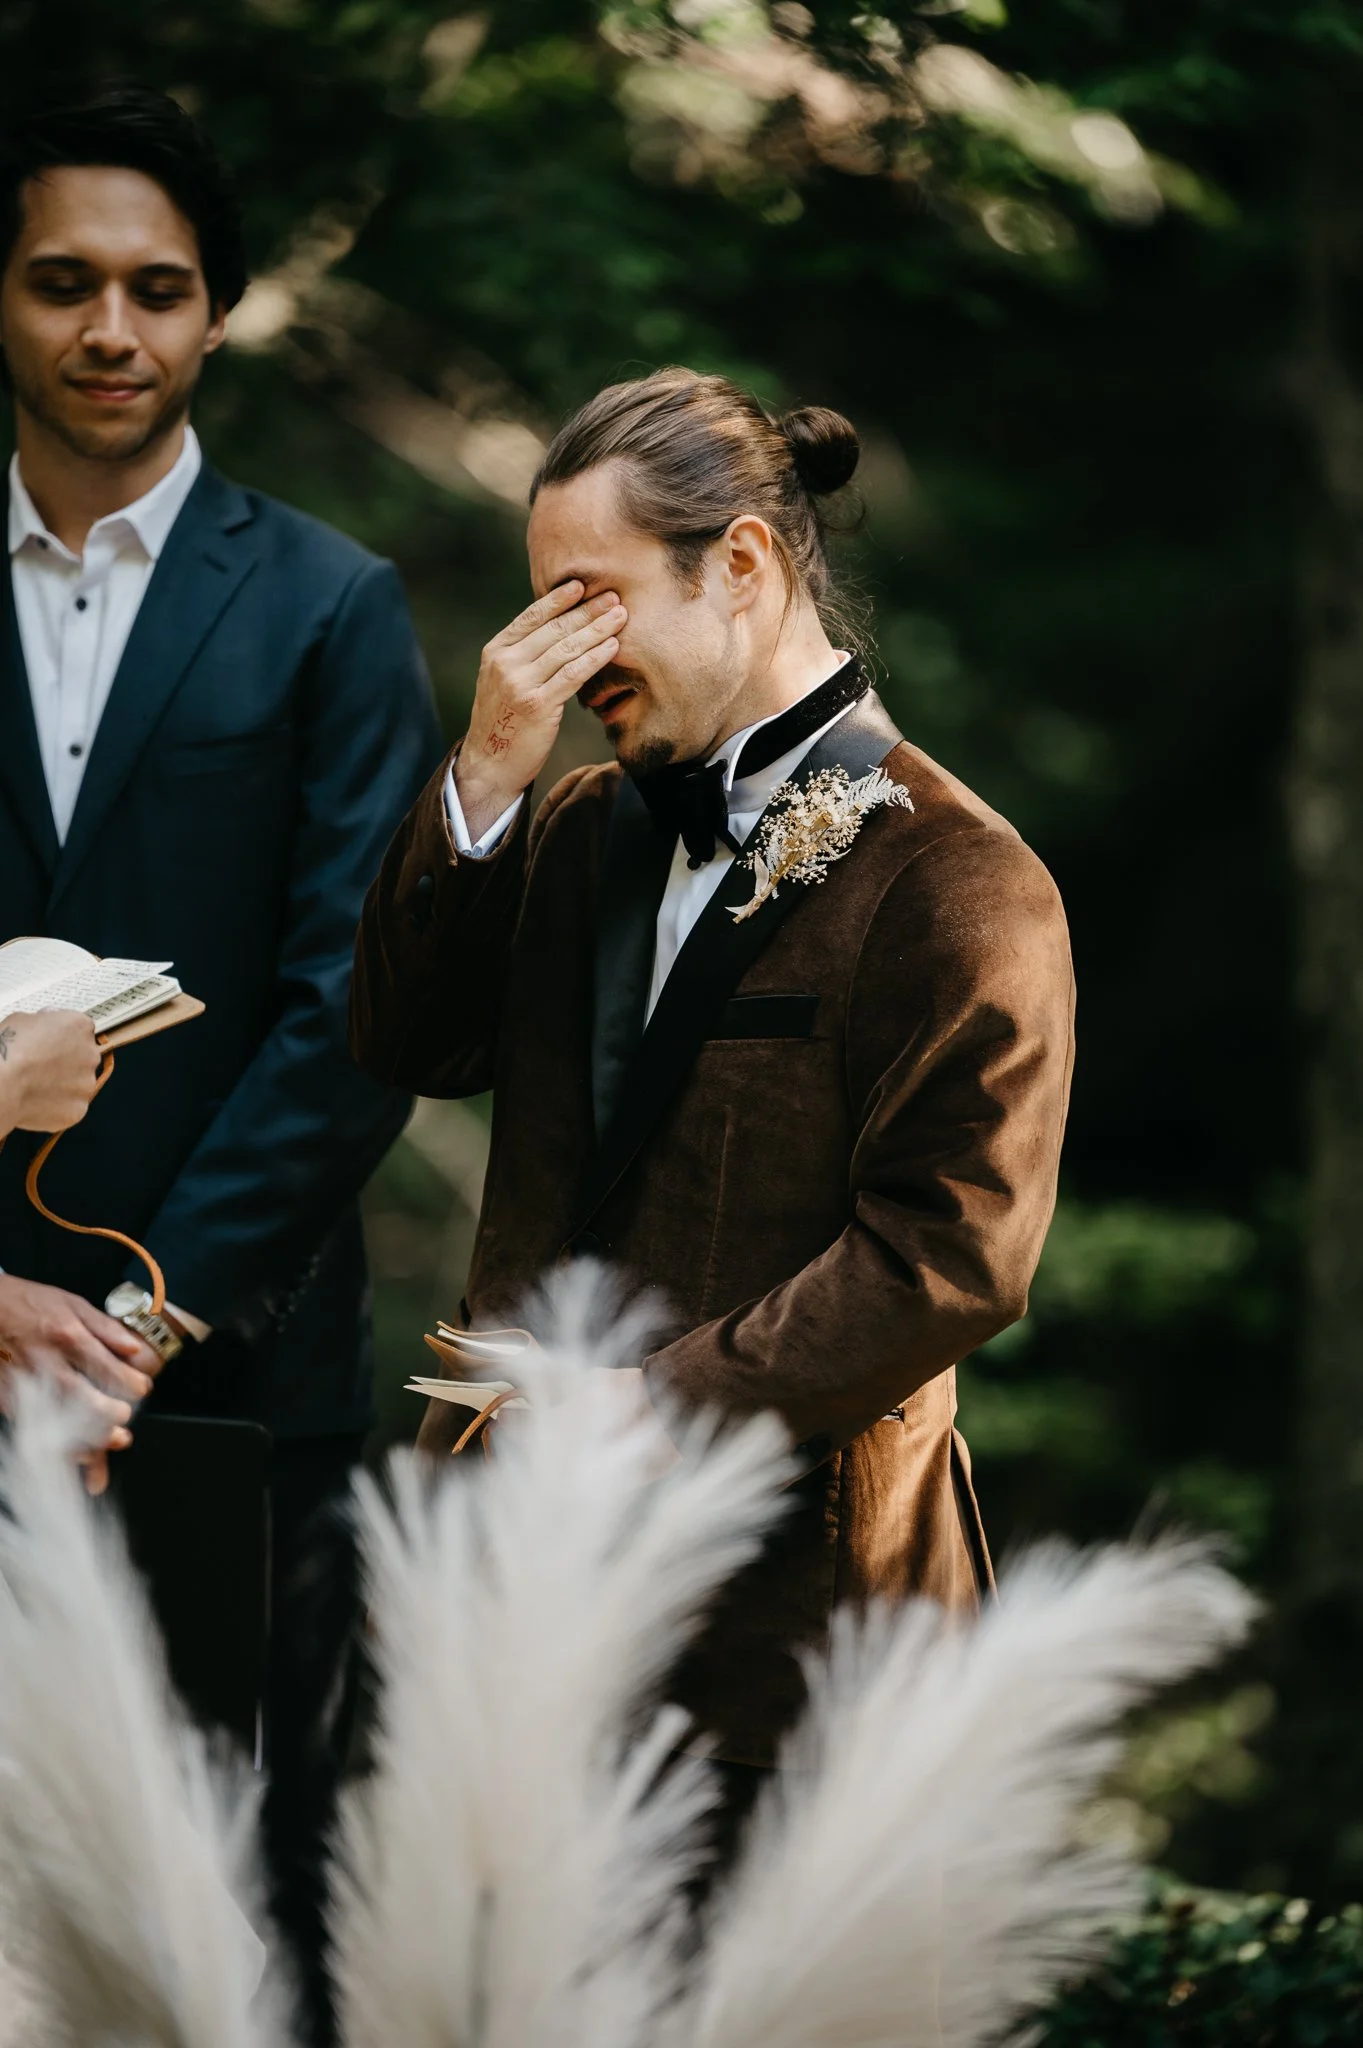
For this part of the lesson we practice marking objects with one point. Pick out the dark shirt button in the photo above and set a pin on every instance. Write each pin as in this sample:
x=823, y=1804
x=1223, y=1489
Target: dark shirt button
x=81, y=604
x=75, y=750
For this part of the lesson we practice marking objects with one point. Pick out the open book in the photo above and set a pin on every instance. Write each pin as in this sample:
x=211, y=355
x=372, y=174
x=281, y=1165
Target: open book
x=463, y=1393
x=474, y=1350
x=52, y=974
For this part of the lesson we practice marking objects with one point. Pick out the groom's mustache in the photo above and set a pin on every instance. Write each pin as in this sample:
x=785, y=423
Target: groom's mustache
x=608, y=682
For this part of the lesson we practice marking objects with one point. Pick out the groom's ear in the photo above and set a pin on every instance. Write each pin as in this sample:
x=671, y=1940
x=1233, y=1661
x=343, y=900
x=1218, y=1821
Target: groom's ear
x=746, y=559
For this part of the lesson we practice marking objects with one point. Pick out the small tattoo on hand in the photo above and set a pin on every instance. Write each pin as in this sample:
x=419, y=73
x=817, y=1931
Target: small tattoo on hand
x=6, y=1039
x=497, y=745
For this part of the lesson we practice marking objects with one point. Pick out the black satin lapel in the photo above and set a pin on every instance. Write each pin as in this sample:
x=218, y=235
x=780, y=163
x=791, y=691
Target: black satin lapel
x=200, y=568
x=634, y=865
x=715, y=957
x=21, y=762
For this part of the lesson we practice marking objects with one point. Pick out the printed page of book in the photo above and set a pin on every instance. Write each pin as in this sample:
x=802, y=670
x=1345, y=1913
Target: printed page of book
x=27, y=965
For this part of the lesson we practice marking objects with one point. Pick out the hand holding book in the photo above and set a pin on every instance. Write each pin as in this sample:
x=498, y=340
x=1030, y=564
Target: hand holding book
x=49, y=1070
x=62, y=1013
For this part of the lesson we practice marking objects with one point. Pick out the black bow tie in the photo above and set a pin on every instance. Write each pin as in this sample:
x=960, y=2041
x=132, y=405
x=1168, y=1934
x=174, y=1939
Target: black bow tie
x=689, y=800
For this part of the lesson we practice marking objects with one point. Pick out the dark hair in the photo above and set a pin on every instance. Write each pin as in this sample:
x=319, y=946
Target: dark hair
x=697, y=453
x=129, y=128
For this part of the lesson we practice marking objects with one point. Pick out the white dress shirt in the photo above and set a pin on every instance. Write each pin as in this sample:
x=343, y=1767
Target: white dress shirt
x=75, y=613
x=688, y=889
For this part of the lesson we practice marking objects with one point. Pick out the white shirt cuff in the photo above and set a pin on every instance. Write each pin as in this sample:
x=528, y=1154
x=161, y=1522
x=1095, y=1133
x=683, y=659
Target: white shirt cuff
x=198, y=1329
x=490, y=839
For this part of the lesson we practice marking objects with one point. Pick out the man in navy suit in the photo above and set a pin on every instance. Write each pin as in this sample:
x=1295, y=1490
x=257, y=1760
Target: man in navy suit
x=213, y=713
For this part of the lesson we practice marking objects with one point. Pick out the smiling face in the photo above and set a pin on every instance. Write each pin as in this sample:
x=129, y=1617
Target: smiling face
x=104, y=314
x=688, y=657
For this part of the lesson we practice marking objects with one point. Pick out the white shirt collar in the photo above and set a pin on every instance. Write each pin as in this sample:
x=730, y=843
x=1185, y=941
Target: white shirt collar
x=150, y=517
x=734, y=745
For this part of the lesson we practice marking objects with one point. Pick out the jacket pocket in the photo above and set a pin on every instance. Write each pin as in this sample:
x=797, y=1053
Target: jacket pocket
x=228, y=753
x=774, y=1016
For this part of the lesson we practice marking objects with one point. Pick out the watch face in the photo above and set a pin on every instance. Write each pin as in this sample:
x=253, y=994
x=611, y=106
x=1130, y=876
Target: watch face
x=126, y=1299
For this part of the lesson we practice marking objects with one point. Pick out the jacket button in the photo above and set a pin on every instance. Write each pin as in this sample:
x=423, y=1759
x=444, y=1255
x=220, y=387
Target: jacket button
x=423, y=903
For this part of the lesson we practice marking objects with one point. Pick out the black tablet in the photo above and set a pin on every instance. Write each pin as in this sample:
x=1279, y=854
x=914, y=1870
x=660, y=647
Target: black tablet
x=194, y=1496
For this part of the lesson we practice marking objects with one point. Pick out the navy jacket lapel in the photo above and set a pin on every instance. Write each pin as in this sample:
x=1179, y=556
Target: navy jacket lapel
x=716, y=955
x=21, y=765
x=634, y=867
x=199, y=570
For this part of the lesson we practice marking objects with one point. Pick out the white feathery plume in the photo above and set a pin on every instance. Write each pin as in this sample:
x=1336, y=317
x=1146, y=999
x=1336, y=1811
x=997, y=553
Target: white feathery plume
x=123, y=1853
x=913, y=1880
x=20, y=2026
x=509, y=1876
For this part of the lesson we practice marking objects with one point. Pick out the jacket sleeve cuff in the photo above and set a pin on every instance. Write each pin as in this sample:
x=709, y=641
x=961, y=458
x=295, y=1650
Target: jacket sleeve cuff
x=454, y=811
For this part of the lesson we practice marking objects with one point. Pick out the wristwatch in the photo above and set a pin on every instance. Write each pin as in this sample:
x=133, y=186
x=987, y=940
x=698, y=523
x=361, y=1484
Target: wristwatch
x=130, y=1305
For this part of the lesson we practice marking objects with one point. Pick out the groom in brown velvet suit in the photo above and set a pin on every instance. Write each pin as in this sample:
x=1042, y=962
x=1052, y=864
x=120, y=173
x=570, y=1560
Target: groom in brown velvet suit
x=826, y=1133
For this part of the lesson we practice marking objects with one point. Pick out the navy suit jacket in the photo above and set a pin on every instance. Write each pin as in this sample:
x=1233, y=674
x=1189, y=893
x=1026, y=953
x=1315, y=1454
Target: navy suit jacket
x=269, y=725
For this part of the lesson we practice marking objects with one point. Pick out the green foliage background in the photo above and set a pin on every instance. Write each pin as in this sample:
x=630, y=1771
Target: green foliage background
x=1221, y=1972
x=1081, y=489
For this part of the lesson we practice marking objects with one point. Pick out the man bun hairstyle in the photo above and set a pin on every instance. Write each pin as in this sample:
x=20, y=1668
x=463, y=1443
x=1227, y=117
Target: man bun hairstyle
x=825, y=447
x=127, y=127
x=698, y=452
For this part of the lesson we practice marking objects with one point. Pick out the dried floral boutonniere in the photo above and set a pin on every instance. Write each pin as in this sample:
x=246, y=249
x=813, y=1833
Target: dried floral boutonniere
x=807, y=829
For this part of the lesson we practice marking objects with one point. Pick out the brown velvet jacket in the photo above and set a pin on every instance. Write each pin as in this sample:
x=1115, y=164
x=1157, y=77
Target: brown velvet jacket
x=833, y=1151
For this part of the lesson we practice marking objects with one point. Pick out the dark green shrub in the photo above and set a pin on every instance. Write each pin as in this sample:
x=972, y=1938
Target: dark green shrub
x=1216, y=1970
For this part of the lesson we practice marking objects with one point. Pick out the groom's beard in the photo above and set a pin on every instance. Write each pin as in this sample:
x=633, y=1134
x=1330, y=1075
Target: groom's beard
x=635, y=752
x=695, y=711
x=649, y=756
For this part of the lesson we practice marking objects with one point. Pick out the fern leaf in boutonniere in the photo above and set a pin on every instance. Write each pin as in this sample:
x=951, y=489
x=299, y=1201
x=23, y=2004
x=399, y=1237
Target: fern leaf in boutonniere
x=807, y=829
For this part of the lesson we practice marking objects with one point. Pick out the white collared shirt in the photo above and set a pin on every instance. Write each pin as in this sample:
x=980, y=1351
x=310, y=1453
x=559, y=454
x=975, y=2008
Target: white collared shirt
x=75, y=613
x=688, y=889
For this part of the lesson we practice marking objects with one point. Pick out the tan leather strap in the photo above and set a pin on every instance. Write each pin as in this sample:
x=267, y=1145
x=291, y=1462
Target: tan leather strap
x=39, y=1161
x=477, y=1429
